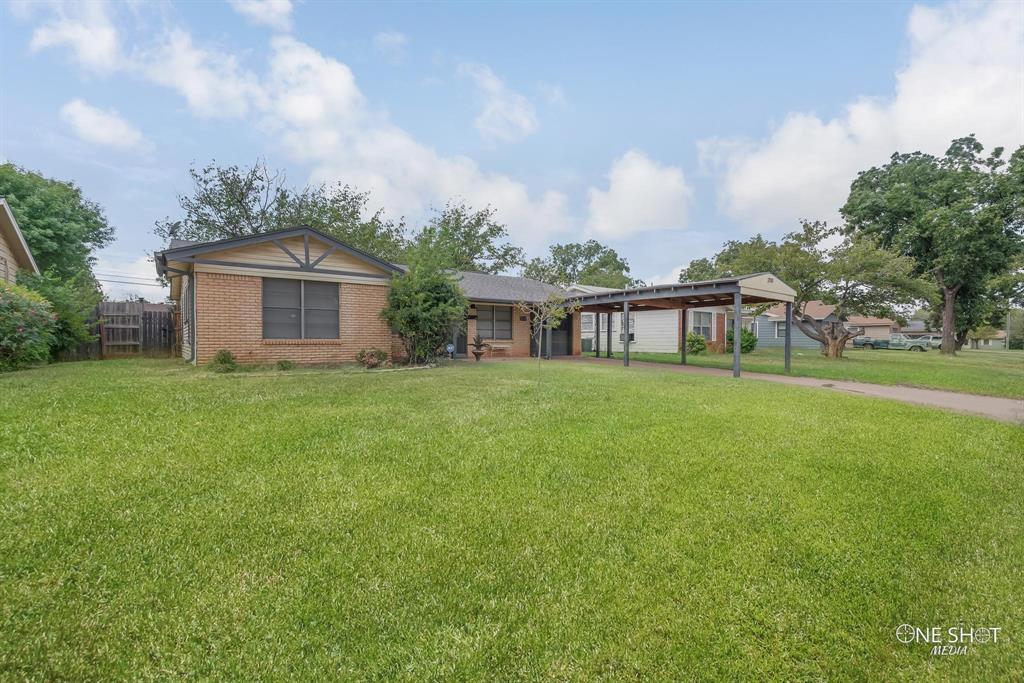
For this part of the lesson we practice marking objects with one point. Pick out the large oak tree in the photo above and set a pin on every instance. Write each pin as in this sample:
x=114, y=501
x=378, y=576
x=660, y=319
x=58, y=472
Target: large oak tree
x=960, y=217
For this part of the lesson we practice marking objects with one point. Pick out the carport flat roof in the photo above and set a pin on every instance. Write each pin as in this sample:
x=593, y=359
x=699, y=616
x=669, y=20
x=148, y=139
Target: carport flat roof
x=755, y=288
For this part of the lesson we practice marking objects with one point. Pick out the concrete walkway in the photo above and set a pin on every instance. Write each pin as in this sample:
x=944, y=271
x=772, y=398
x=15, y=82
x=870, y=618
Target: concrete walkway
x=1004, y=409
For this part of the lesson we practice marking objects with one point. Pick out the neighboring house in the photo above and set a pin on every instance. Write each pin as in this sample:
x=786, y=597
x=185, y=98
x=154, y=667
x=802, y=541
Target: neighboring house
x=991, y=340
x=770, y=326
x=876, y=328
x=653, y=331
x=14, y=252
x=303, y=296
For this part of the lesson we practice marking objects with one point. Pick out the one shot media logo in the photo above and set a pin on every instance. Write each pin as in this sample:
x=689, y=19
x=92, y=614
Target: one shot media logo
x=951, y=640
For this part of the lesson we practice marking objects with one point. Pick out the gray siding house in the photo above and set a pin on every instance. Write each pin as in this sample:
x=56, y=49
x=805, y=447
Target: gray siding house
x=770, y=327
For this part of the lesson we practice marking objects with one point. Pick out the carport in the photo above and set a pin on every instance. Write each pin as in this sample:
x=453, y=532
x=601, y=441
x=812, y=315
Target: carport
x=760, y=288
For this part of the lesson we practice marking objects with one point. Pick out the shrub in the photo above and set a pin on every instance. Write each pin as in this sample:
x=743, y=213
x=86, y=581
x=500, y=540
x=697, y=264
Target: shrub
x=74, y=302
x=27, y=323
x=424, y=304
x=372, y=358
x=748, y=341
x=695, y=343
x=223, y=361
x=285, y=365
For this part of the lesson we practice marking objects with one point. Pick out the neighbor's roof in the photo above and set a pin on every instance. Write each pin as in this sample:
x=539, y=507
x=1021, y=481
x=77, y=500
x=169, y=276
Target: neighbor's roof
x=866, y=320
x=588, y=289
x=815, y=309
x=10, y=230
x=504, y=288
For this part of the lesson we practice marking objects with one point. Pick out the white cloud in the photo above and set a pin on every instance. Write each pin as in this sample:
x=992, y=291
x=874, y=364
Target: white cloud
x=391, y=45
x=212, y=82
x=100, y=127
x=507, y=116
x=642, y=195
x=277, y=14
x=964, y=75
x=85, y=28
x=316, y=109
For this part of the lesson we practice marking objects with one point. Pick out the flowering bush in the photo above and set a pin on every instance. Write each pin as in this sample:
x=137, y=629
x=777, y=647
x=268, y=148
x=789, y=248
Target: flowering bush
x=371, y=358
x=27, y=326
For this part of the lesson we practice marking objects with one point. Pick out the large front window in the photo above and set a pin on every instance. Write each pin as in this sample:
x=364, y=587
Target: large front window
x=494, y=322
x=702, y=324
x=299, y=309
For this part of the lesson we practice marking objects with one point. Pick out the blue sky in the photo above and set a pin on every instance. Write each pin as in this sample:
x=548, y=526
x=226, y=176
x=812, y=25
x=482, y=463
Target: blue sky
x=660, y=129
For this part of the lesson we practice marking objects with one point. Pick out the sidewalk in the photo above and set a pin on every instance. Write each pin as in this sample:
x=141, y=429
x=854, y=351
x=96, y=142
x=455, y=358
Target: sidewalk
x=1004, y=409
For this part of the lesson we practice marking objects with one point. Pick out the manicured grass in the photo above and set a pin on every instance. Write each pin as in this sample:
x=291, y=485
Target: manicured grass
x=495, y=521
x=990, y=373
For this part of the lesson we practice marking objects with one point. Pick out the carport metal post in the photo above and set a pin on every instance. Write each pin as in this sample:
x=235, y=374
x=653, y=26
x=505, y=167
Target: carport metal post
x=682, y=337
x=789, y=333
x=547, y=355
x=737, y=329
x=597, y=335
x=625, y=333
x=608, y=351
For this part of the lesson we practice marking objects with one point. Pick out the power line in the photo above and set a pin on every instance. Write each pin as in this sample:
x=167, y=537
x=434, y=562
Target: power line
x=126, y=282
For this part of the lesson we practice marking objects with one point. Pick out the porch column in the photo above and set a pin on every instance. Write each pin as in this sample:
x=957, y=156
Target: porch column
x=608, y=351
x=455, y=339
x=737, y=331
x=789, y=332
x=547, y=354
x=682, y=336
x=597, y=335
x=625, y=334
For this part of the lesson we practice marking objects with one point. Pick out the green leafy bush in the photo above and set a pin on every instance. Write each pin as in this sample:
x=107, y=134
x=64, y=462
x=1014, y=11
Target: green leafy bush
x=285, y=365
x=695, y=343
x=74, y=301
x=748, y=341
x=223, y=361
x=423, y=306
x=27, y=323
x=372, y=358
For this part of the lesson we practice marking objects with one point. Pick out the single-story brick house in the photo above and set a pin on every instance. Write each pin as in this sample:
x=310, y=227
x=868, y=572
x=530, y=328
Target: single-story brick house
x=303, y=296
x=14, y=252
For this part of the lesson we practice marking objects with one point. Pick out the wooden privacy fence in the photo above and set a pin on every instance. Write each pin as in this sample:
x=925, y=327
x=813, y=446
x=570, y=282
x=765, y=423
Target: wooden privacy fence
x=128, y=328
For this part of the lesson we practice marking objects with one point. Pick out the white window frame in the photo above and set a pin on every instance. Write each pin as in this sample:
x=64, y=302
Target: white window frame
x=711, y=324
x=777, y=323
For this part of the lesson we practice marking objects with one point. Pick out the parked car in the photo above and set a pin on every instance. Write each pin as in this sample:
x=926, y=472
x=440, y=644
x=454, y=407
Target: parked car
x=895, y=342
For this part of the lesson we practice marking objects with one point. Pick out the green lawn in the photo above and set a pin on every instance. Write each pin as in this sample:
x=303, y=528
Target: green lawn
x=495, y=521
x=992, y=373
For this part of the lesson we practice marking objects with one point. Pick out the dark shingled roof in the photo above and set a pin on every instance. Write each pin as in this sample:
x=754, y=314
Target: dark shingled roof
x=504, y=288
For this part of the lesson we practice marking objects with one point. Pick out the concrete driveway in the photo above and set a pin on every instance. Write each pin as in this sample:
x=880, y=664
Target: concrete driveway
x=1003, y=409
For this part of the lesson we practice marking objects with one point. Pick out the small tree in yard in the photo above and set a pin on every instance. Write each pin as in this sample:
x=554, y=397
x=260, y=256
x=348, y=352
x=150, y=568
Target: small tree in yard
x=423, y=306
x=546, y=315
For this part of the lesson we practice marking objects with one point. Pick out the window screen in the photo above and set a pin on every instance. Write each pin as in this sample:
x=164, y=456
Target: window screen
x=780, y=329
x=299, y=309
x=494, y=322
x=320, y=303
x=702, y=324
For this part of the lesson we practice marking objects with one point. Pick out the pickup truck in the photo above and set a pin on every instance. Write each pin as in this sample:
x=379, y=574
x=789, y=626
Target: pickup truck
x=895, y=342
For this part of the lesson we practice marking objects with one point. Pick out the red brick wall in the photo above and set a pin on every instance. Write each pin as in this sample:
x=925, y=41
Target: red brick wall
x=718, y=346
x=230, y=316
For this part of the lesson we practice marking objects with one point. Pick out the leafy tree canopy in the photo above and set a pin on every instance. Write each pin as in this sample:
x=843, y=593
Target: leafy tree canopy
x=589, y=263
x=698, y=270
x=960, y=217
x=61, y=226
x=854, y=274
x=465, y=239
x=233, y=201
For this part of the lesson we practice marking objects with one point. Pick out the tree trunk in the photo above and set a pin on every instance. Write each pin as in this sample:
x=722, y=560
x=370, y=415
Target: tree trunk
x=832, y=335
x=948, y=317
